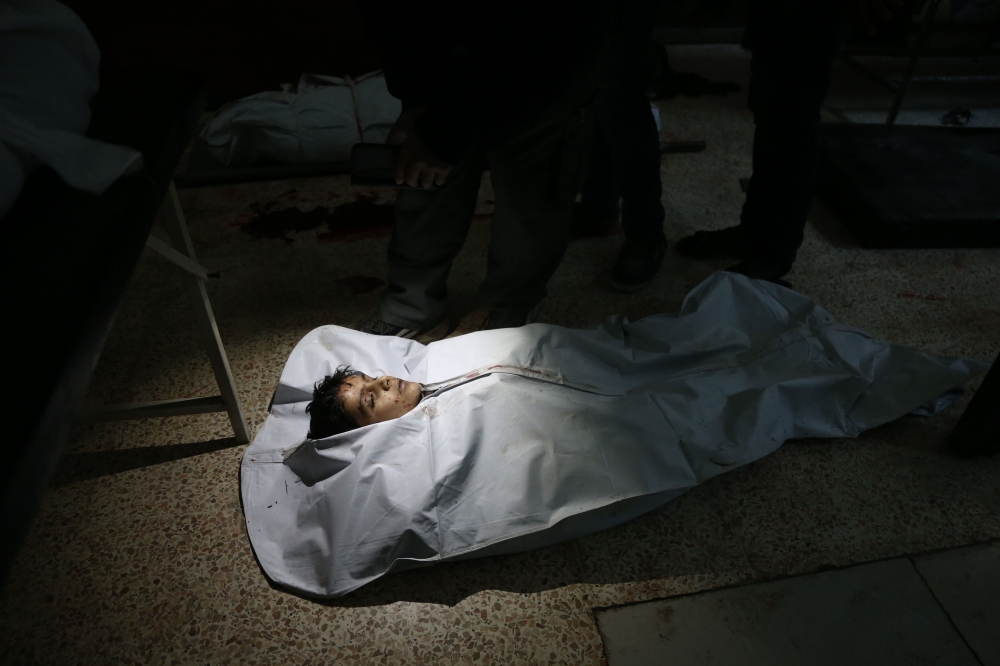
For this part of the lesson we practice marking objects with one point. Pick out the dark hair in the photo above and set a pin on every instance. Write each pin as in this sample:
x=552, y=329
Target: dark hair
x=327, y=414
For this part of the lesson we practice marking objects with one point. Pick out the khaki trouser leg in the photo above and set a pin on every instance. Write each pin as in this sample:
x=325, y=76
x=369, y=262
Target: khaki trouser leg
x=536, y=176
x=431, y=226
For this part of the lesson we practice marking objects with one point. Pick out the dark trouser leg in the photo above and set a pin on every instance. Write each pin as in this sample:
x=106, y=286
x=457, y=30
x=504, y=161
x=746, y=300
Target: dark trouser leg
x=600, y=195
x=626, y=158
x=536, y=175
x=431, y=226
x=794, y=46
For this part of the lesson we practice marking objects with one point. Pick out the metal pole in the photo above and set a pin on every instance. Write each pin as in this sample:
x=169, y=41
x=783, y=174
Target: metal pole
x=918, y=47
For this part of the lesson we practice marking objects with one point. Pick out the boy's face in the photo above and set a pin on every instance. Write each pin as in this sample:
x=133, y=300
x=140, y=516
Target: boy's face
x=372, y=400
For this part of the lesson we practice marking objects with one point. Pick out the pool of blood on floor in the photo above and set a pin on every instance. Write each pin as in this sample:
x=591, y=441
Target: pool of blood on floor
x=361, y=218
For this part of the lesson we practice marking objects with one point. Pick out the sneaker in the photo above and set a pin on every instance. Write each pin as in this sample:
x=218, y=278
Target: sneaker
x=508, y=318
x=728, y=243
x=763, y=270
x=375, y=325
x=587, y=223
x=637, y=264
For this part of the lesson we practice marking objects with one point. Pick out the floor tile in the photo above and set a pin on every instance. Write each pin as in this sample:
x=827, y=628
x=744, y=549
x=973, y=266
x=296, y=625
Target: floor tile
x=876, y=614
x=967, y=583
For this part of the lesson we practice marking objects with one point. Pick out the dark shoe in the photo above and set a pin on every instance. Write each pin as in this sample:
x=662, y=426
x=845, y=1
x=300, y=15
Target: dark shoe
x=729, y=243
x=375, y=325
x=637, y=264
x=508, y=318
x=763, y=270
x=587, y=222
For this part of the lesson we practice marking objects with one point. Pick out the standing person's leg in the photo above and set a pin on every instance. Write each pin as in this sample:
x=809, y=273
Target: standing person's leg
x=631, y=145
x=794, y=46
x=624, y=116
x=431, y=226
x=536, y=175
x=598, y=209
x=790, y=75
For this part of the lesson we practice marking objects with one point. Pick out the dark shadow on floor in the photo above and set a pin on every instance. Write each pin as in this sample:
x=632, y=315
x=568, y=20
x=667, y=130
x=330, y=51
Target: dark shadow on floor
x=75, y=467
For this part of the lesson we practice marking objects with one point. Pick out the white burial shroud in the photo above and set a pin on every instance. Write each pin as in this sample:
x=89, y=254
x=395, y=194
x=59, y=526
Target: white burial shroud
x=542, y=433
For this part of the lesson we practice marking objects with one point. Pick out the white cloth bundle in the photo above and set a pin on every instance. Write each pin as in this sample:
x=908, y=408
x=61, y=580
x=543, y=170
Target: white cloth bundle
x=541, y=433
x=48, y=75
x=319, y=122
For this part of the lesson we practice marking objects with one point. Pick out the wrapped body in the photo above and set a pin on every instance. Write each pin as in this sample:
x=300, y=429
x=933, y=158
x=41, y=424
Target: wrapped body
x=539, y=434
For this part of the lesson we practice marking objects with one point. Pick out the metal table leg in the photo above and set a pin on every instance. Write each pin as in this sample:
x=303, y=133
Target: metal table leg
x=182, y=255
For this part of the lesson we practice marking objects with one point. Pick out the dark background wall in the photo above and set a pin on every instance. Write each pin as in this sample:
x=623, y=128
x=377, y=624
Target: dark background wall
x=246, y=46
x=243, y=46
x=702, y=14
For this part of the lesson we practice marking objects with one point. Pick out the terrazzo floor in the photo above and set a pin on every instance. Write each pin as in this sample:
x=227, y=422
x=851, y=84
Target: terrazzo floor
x=139, y=553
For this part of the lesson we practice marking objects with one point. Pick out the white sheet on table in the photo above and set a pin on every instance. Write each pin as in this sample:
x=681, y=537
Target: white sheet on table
x=318, y=122
x=49, y=74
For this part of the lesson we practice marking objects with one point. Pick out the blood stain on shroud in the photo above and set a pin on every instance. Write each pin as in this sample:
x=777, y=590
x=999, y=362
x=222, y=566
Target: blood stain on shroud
x=358, y=219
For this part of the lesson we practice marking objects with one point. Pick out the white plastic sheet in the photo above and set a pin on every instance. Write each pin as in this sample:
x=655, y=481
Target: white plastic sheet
x=318, y=122
x=542, y=433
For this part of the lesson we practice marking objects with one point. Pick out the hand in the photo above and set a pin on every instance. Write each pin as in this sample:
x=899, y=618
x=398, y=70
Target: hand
x=415, y=163
x=870, y=11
